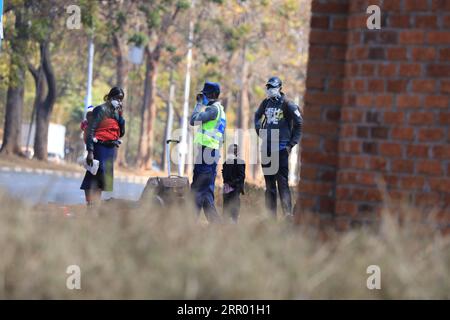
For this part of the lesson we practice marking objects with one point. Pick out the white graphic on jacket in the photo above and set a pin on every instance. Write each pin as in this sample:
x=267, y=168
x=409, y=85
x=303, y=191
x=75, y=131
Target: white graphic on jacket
x=274, y=115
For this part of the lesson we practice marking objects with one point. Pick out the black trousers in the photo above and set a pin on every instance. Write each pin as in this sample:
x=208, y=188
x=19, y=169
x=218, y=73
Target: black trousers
x=232, y=204
x=278, y=179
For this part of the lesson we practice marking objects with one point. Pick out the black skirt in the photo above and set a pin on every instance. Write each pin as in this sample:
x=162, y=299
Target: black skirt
x=104, y=178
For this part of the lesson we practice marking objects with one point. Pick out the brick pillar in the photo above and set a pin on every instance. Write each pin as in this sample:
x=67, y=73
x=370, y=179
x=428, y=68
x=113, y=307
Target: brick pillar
x=393, y=112
x=323, y=101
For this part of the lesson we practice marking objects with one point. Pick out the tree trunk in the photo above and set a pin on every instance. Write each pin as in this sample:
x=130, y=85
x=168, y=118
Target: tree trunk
x=122, y=79
x=148, y=112
x=14, y=100
x=169, y=121
x=244, y=112
x=44, y=109
x=13, y=117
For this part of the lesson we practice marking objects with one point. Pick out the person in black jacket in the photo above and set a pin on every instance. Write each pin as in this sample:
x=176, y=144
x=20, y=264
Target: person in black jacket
x=278, y=122
x=233, y=173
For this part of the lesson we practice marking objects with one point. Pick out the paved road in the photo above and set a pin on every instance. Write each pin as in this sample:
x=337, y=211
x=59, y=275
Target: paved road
x=47, y=187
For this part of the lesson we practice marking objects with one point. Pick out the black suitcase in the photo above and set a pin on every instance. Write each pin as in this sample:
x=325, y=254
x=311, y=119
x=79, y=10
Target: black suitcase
x=165, y=191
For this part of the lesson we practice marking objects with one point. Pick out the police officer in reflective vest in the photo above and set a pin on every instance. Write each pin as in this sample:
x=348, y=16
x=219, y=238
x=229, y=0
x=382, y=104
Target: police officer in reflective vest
x=207, y=142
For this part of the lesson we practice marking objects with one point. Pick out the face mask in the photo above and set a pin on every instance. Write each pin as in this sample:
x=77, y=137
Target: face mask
x=273, y=92
x=205, y=100
x=115, y=104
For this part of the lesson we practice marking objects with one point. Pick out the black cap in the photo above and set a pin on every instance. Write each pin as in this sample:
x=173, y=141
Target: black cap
x=274, y=82
x=211, y=88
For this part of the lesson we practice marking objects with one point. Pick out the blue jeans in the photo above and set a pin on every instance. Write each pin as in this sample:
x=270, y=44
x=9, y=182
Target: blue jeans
x=203, y=184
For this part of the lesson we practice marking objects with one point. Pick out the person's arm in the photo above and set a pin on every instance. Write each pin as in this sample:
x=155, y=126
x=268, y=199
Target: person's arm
x=97, y=116
x=258, y=116
x=297, y=119
x=239, y=179
x=198, y=116
x=121, y=122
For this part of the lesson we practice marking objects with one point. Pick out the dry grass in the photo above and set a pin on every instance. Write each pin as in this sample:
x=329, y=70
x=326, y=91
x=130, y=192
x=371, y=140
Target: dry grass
x=149, y=253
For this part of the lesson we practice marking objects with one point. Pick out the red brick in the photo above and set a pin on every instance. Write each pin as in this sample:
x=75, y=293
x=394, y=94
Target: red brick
x=412, y=183
x=423, y=53
x=416, y=5
x=427, y=198
x=438, y=70
x=387, y=70
x=317, y=52
x=376, y=85
x=398, y=21
x=445, y=86
x=346, y=208
x=374, y=195
x=347, y=177
x=366, y=178
x=446, y=22
x=337, y=53
x=440, y=5
x=342, y=192
x=339, y=23
x=326, y=68
x=329, y=7
x=402, y=133
x=364, y=101
x=379, y=132
x=437, y=101
x=314, y=188
x=440, y=184
x=431, y=134
x=310, y=142
x=367, y=69
x=444, y=118
x=410, y=70
x=323, y=128
x=405, y=166
x=327, y=37
x=394, y=117
x=318, y=158
x=357, y=22
x=352, y=147
x=426, y=22
x=391, y=149
x=360, y=162
x=392, y=5
x=359, y=85
x=420, y=151
x=441, y=152
x=424, y=85
x=412, y=37
x=383, y=101
x=408, y=101
x=438, y=37
x=319, y=22
x=444, y=54
x=314, y=82
x=335, y=84
x=378, y=163
x=347, y=131
x=322, y=98
x=421, y=118
x=396, y=53
x=431, y=167
x=396, y=86
x=354, y=38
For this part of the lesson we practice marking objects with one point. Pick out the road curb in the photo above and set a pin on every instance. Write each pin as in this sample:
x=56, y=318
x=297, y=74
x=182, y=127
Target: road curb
x=77, y=175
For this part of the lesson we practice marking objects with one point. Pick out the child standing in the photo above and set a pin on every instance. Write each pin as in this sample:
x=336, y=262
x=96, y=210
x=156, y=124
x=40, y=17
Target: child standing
x=233, y=173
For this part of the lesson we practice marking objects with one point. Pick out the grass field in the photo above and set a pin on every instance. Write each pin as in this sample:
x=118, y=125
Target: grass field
x=154, y=254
